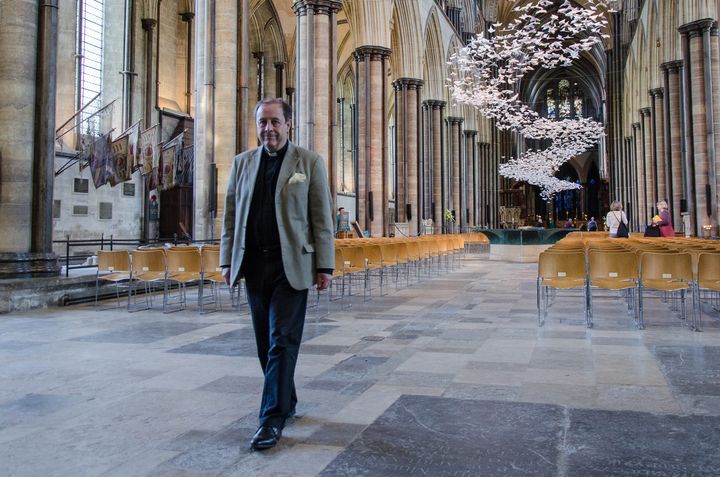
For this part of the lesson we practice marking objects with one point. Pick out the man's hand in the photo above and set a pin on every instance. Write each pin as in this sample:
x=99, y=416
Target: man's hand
x=323, y=281
x=226, y=275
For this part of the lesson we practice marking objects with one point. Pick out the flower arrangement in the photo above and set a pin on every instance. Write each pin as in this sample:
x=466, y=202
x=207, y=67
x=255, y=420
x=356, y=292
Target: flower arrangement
x=449, y=216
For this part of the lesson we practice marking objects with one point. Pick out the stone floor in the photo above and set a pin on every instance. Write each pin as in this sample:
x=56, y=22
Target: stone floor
x=450, y=377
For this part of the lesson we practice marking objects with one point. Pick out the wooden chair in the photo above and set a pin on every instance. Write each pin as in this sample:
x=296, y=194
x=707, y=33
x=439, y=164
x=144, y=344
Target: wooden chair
x=183, y=267
x=211, y=276
x=708, y=280
x=667, y=272
x=147, y=268
x=112, y=267
x=611, y=270
x=560, y=270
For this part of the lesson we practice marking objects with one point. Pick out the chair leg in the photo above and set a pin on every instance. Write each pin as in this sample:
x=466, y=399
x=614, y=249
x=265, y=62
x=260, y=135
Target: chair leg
x=640, y=321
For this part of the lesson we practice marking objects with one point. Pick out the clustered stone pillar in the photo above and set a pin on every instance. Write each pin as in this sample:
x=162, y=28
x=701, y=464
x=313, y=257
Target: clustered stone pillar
x=371, y=94
x=639, y=169
x=471, y=177
x=673, y=138
x=628, y=185
x=316, y=75
x=407, y=154
x=648, y=166
x=434, y=192
x=454, y=180
x=714, y=42
x=24, y=74
x=484, y=166
x=699, y=127
x=657, y=121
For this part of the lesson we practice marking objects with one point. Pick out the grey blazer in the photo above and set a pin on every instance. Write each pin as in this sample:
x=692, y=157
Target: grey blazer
x=303, y=208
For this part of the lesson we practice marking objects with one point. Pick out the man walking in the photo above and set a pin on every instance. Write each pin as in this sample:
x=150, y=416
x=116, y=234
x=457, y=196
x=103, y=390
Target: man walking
x=277, y=234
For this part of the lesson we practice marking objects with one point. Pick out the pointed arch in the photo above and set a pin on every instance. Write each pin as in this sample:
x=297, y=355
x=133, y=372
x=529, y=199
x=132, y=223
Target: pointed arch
x=434, y=67
x=406, y=59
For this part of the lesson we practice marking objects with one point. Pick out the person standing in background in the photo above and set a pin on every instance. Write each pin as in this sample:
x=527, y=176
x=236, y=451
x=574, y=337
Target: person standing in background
x=665, y=223
x=615, y=218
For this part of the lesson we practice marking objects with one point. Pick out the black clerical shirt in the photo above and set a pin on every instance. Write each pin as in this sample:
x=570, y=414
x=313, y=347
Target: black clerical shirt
x=262, y=229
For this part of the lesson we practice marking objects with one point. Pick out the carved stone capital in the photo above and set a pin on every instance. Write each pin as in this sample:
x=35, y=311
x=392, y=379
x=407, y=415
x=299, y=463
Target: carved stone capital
x=409, y=83
x=672, y=66
x=434, y=104
x=644, y=112
x=636, y=125
x=371, y=53
x=316, y=7
x=469, y=133
x=656, y=93
x=455, y=120
x=696, y=27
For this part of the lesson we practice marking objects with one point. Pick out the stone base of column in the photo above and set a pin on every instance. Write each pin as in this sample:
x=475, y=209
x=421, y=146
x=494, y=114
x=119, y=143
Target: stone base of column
x=25, y=265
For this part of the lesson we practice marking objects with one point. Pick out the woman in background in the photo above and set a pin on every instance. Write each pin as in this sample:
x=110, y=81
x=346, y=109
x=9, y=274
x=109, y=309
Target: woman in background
x=614, y=218
x=665, y=224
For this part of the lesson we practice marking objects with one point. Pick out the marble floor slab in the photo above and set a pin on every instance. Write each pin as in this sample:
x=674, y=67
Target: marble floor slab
x=450, y=376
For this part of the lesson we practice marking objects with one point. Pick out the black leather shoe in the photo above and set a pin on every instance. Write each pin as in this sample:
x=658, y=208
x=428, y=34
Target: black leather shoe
x=266, y=437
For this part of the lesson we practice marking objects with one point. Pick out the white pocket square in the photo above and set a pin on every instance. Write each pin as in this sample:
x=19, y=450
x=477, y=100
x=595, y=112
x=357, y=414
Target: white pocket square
x=297, y=178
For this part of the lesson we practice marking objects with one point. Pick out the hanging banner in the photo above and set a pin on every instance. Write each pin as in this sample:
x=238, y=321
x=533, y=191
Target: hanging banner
x=184, y=168
x=101, y=155
x=149, y=154
x=118, y=170
x=171, y=150
x=133, y=162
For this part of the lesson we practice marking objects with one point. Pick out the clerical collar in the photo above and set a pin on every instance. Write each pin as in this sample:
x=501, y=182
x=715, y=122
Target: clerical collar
x=279, y=152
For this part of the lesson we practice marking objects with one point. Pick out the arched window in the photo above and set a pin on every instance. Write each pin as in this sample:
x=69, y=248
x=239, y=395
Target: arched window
x=89, y=43
x=564, y=100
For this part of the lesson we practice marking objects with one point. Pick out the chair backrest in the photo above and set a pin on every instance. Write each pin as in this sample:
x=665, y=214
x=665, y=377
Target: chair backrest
x=150, y=260
x=708, y=268
x=210, y=260
x=113, y=261
x=339, y=264
x=388, y=252
x=666, y=266
x=373, y=254
x=569, y=264
x=611, y=264
x=413, y=250
x=183, y=260
x=353, y=257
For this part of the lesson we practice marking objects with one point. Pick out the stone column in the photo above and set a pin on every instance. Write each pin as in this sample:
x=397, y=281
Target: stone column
x=648, y=166
x=454, y=179
x=407, y=156
x=316, y=76
x=628, y=184
x=371, y=94
x=658, y=143
x=18, y=43
x=715, y=121
x=639, y=169
x=434, y=159
x=673, y=138
x=699, y=122
x=225, y=94
x=44, y=138
x=471, y=177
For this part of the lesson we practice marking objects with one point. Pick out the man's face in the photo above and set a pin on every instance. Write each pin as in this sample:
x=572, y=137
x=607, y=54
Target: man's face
x=272, y=126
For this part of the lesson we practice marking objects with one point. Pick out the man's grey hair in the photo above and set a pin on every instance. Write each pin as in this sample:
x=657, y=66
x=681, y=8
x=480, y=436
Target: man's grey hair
x=287, y=109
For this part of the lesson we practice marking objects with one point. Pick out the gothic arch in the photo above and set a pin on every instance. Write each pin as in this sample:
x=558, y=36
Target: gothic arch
x=406, y=59
x=434, y=59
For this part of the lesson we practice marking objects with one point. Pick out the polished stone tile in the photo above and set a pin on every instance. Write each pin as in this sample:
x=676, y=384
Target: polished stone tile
x=143, y=332
x=449, y=437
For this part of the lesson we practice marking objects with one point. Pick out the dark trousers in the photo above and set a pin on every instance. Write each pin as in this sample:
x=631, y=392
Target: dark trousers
x=278, y=314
